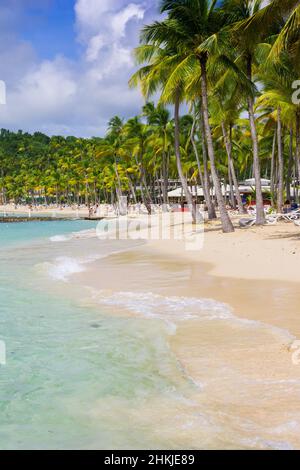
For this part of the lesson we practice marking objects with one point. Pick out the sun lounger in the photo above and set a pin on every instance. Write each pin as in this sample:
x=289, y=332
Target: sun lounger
x=293, y=215
x=270, y=220
x=245, y=223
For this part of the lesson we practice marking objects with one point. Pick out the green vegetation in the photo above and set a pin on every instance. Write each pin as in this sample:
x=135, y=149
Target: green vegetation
x=234, y=63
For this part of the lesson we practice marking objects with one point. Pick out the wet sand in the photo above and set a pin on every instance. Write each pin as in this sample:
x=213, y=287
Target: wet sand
x=242, y=367
x=52, y=211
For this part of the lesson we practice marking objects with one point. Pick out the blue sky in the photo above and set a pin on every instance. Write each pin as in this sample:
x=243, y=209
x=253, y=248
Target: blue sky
x=50, y=26
x=66, y=63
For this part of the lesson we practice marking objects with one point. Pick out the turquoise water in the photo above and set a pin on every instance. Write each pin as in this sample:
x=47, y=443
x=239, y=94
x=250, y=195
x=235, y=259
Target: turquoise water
x=26, y=232
x=73, y=374
x=94, y=370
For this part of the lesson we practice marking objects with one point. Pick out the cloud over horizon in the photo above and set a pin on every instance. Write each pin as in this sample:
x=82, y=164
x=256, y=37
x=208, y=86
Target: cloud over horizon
x=74, y=95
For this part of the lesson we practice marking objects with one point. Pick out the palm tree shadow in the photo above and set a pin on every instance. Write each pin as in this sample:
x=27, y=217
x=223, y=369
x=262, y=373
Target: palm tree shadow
x=285, y=236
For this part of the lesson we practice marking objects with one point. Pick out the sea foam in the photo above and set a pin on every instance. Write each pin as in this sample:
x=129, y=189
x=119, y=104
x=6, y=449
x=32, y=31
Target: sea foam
x=60, y=238
x=158, y=306
x=174, y=309
x=82, y=235
x=63, y=267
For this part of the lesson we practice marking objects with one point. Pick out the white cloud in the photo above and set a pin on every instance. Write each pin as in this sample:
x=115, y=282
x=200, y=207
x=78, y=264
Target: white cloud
x=94, y=47
x=44, y=92
x=89, y=13
x=52, y=81
x=79, y=97
x=119, y=20
x=111, y=27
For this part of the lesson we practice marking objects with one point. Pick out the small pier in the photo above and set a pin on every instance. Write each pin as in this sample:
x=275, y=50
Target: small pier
x=14, y=219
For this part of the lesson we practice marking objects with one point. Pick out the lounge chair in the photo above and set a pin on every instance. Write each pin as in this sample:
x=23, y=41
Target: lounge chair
x=293, y=215
x=246, y=223
x=289, y=217
x=270, y=220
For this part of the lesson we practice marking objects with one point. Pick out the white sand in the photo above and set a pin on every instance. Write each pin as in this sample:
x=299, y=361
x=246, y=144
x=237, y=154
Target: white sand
x=243, y=370
x=61, y=211
x=258, y=253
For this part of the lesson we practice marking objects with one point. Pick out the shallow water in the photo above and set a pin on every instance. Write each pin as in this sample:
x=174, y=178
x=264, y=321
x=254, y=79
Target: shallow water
x=64, y=358
x=94, y=368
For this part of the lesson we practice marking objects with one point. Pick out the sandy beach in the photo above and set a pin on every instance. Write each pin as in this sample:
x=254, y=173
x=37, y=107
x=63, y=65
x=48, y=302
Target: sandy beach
x=242, y=365
x=229, y=267
x=221, y=322
x=50, y=211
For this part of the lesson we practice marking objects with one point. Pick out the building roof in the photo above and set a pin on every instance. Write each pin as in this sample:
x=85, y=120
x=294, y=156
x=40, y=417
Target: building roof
x=179, y=192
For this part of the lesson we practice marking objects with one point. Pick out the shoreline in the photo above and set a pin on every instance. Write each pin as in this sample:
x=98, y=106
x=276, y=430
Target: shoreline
x=51, y=211
x=233, y=361
x=233, y=352
x=230, y=338
x=256, y=270
x=268, y=253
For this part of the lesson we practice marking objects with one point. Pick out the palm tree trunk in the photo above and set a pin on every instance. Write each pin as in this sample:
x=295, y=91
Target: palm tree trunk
x=195, y=214
x=231, y=196
x=280, y=163
x=119, y=188
x=273, y=169
x=228, y=145
x=148, y=199
x=297, y=163
x=132, y=189
x=144, y=189
x=165, y=178
x=202, y=181
x=210, y=204
x=227, y=225
x=260, y=213
x=290, y=166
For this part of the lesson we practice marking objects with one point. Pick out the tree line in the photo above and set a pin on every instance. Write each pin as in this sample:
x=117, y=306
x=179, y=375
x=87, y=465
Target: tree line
x=234, y=64
x=224, y=58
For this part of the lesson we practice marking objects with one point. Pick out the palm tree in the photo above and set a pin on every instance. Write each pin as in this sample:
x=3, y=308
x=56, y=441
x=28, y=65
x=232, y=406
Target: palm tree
x=281, y=15
x=189, y=25
x=226, y=109
x=159, y=118
x=254, y=24
x=115, y=128
x=246, y=44
x=278, y=79
x=204, y=177
x=136, y=134
x=158, y=75
x=196, y=24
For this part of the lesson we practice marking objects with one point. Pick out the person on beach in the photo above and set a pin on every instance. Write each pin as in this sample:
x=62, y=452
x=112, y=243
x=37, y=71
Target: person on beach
x=287, y=207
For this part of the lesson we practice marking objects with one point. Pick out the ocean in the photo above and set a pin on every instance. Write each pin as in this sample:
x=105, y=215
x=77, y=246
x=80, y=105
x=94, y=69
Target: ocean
x=72, y=372
x=98, y=369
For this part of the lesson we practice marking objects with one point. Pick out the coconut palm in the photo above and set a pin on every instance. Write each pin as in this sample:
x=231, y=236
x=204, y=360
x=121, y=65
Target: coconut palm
x=158, y=75
x=278, y=79
x=247, y=46
x=136, y=134
x=189, y=25
x=204, y=176
x=254, y=24
x=159, y=118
